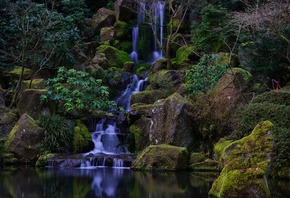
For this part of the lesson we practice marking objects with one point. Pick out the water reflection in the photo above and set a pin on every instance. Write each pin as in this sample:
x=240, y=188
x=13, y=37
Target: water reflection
x=101, y=182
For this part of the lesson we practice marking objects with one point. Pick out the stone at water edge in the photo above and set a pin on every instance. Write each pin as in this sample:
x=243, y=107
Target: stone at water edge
x=245, y=165
x=24, y=139
x=82, y=141
x=162, y=158
x=141, y=129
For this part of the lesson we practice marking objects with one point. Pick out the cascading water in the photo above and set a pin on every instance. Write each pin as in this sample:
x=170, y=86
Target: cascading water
x=158, y=16
x=135, y=32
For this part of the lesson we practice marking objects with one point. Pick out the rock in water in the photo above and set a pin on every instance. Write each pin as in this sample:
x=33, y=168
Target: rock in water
x=24, y=138
x=245, y=165
x=162, y=157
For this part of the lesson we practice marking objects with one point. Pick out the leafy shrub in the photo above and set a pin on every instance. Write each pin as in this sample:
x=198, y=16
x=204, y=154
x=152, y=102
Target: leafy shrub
x=204, y=75
x=58, y=133
x=273, y=97
x=211, y=29
x=75, y=90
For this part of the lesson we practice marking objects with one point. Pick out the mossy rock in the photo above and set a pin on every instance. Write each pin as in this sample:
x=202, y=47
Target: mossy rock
x=16, y=72
x=129, y=66
x=9, y=117
x=219, y=148
x=116, y=58
x=246, y=163
x=140, y=109
x=121, y=29
x=148, y=97
x=24, y=139
x=225, y=58
x=196, y=157
x=82, y=141
x=36, y=84
x=172, y=122
x=42, y=160
x=107, y=34
x=29, y=102
x=158, y=65
x=207, y=165
x=186, y=54
x=146, y=42
x=125, y=46
x=2, y=101
x=141, y=129
x=103, y=18
x=162, y=158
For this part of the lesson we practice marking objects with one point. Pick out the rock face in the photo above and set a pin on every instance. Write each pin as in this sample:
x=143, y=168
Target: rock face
x=219, y=148
x=107, y=34
x=82, y=138
x=124, y=9
x=103, y=18
x=162, y=157
x=186, y=54
x=16, y=72
x=158, y=65
x=29, y=102
x=116, y=58
x=36, y=84
x=171, y=122
x=141, y=129
x=24, y=138
x=121, y=28
x=246, y=163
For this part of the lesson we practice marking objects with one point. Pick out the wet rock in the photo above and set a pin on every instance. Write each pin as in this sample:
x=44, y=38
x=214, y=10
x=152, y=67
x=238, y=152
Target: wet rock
x=158, y=65
x=139, y=110
x=162, y=157
x=121, y=29
x=196, y=157
x=141, y=130
x=82, y=141
x=107, y=34
x=219, y=148
x=207, y=165
x=246, y=163
x=125, y=9
x=24, y=139
x=103, y=18
x=172, y=122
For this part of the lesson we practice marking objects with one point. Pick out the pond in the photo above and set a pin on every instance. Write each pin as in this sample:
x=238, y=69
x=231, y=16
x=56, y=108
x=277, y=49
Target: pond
x=101, y=182
x=112, y=182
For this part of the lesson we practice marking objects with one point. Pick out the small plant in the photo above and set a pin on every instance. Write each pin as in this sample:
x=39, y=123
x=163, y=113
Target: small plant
x=58, y=133
x=204, y=75
x=75, y=90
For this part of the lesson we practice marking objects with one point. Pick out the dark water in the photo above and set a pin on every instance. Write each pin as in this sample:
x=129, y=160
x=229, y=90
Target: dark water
x=112, y=182
x=101, y=182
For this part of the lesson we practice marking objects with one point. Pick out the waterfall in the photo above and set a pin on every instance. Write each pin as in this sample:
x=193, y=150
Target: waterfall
x=158, y=16
x=135, y=32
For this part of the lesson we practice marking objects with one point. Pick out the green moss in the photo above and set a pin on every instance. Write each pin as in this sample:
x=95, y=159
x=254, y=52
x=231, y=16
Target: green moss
x=196, y=157
x=183, y=53
x=82, y=138
x=36, y=84
x=146, y=42
x=134, y=129
x=42, y=160
x=107, y=34
x=219, y=148
x=17, y=72
x=121, y=29
x=273, y=97
x=207, y=165
x=9, y=117
x=116, y=58
x=126, y=46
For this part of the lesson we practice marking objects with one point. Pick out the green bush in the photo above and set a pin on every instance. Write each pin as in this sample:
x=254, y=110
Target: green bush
x=59, y=133
x=204, y=75
x=75, y=90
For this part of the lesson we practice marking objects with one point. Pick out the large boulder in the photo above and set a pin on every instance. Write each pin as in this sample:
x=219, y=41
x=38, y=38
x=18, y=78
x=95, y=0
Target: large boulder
x=172, y=122
x=158, y=65
x=125, y=9
x=146, y=42
x=219, y=148
x=103, y=18
x=121, y=29
x=16, y=72
x=29, y=102
x=187, y=54
x=148, y=97
x=24, y=139
x=246, y=163
x=141, y=129
x=107, y=34
x=116, y=58
x=100, y=60
x=35, y=84
x=162, y=157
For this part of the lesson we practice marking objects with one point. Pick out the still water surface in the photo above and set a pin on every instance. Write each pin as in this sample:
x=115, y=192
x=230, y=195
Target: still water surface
x=100, y=182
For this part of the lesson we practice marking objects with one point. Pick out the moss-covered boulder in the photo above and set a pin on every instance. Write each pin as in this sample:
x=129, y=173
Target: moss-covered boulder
x=16, y=72
x=103, y=18
x=219, y=148
x=226, y=59
x=186, y=54
x=82, y=141
x=207, y=165
x=9, y=117
x=100, y=60
x=116, y=58
x=162, y=157
x=148, y=97
x=196, y=157
x=140, y=129
x=146, y=42
x=42, y=160
x=24, y=139
x=125, y=46
x=121, y=29
x=29, y=102
x=172, y=122
x=107, y=34
x=158, y=65
x=35, y=84
x=246, y=163
x=140, y=109
x=129, y=66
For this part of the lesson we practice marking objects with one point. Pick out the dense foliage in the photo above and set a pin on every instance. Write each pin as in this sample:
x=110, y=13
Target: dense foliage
x=204, y=75
x=58, y=133
x=75, y=90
